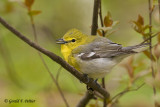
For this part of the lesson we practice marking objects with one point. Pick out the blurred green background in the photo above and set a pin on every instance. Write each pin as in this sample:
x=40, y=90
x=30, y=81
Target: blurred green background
x=22, y=74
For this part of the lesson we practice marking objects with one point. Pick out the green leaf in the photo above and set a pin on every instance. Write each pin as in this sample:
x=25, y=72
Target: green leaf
x=146, y=27
x=155, y=2
x=34, y=12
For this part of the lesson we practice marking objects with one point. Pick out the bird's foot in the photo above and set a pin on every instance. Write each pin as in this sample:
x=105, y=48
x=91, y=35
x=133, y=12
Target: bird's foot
x=97, y=82
x=90, y=90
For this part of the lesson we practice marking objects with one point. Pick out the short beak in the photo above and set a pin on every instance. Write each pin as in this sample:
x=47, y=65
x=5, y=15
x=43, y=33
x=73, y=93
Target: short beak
x=60, y=41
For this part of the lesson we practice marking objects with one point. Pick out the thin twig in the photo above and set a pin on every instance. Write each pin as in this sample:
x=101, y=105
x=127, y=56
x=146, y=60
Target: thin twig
x=101, y=20
x=100, y=16
x=88, y=81
x=149, y=38
x=54, y=80
x=4, y=51
x=125, y=91
x=98, y=95
x=117, y=96
x=44, y=63
x=58, y=73
x=84, y=101
x=150, y=35
x=104, y=100
x=95, y=17
x=150, y=41
x=103, y=83
x=159, y=9
x=34, y=29
x=100, y=13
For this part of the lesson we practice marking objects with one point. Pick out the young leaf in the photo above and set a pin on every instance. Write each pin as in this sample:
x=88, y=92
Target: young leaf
x=108, y=34
x=29, y=3
x=158, y=37
x=99, y=32
x=34, y=12
x=106, y=28
x=155, y=2
x=140, y=20
x=115, y=23
x=146, y=27
x=147, y=53
x=8, y=8
x=146, y=35
x=138, y=27
x=156, y=51
x=108, y=20
x=129, y=67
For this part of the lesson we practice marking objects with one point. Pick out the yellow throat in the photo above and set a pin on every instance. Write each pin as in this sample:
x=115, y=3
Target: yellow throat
x=67, y=48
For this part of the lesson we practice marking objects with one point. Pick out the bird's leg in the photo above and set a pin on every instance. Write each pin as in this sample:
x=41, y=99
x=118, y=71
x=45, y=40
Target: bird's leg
x=91, y=90
x=97, y=82
x=87, y=81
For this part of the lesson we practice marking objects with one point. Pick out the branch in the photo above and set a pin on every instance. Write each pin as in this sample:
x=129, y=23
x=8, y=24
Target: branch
x=159, y=9
x=44, y=63
x=97, y=3
x=101, y=20
x=58, y=73
x=6, y=57
x=117, y=96
x=95, y=17
x=150, y=43
x=127, y=90
x=84, y=101
x=88, y=81
x=150, y=40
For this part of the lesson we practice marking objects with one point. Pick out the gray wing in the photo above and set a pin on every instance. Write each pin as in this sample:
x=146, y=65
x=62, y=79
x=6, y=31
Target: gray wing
x=101, y=48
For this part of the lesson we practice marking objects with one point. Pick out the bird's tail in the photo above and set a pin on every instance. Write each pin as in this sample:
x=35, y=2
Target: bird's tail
x=136, y=48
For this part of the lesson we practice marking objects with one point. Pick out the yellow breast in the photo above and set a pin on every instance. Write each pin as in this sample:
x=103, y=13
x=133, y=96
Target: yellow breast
x=67, y=54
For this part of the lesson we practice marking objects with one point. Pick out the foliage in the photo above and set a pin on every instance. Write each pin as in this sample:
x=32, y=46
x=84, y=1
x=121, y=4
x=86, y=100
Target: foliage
x=37, y=84
x=109, y=24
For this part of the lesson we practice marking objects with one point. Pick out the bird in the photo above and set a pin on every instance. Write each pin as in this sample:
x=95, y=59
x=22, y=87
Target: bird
x=94, y=56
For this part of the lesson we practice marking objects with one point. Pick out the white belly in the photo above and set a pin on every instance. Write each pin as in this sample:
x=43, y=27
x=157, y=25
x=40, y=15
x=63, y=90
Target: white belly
x=96, y=68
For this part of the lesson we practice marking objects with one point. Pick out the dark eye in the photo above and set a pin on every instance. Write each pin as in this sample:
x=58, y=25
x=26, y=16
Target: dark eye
x=73, y=40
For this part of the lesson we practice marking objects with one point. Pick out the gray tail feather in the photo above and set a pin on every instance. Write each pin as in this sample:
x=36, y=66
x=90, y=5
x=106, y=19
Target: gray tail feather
x=136, y=48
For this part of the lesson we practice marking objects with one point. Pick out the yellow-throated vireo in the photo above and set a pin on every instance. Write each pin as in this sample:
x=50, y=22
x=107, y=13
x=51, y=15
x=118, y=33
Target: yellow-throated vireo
x=93, y=55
